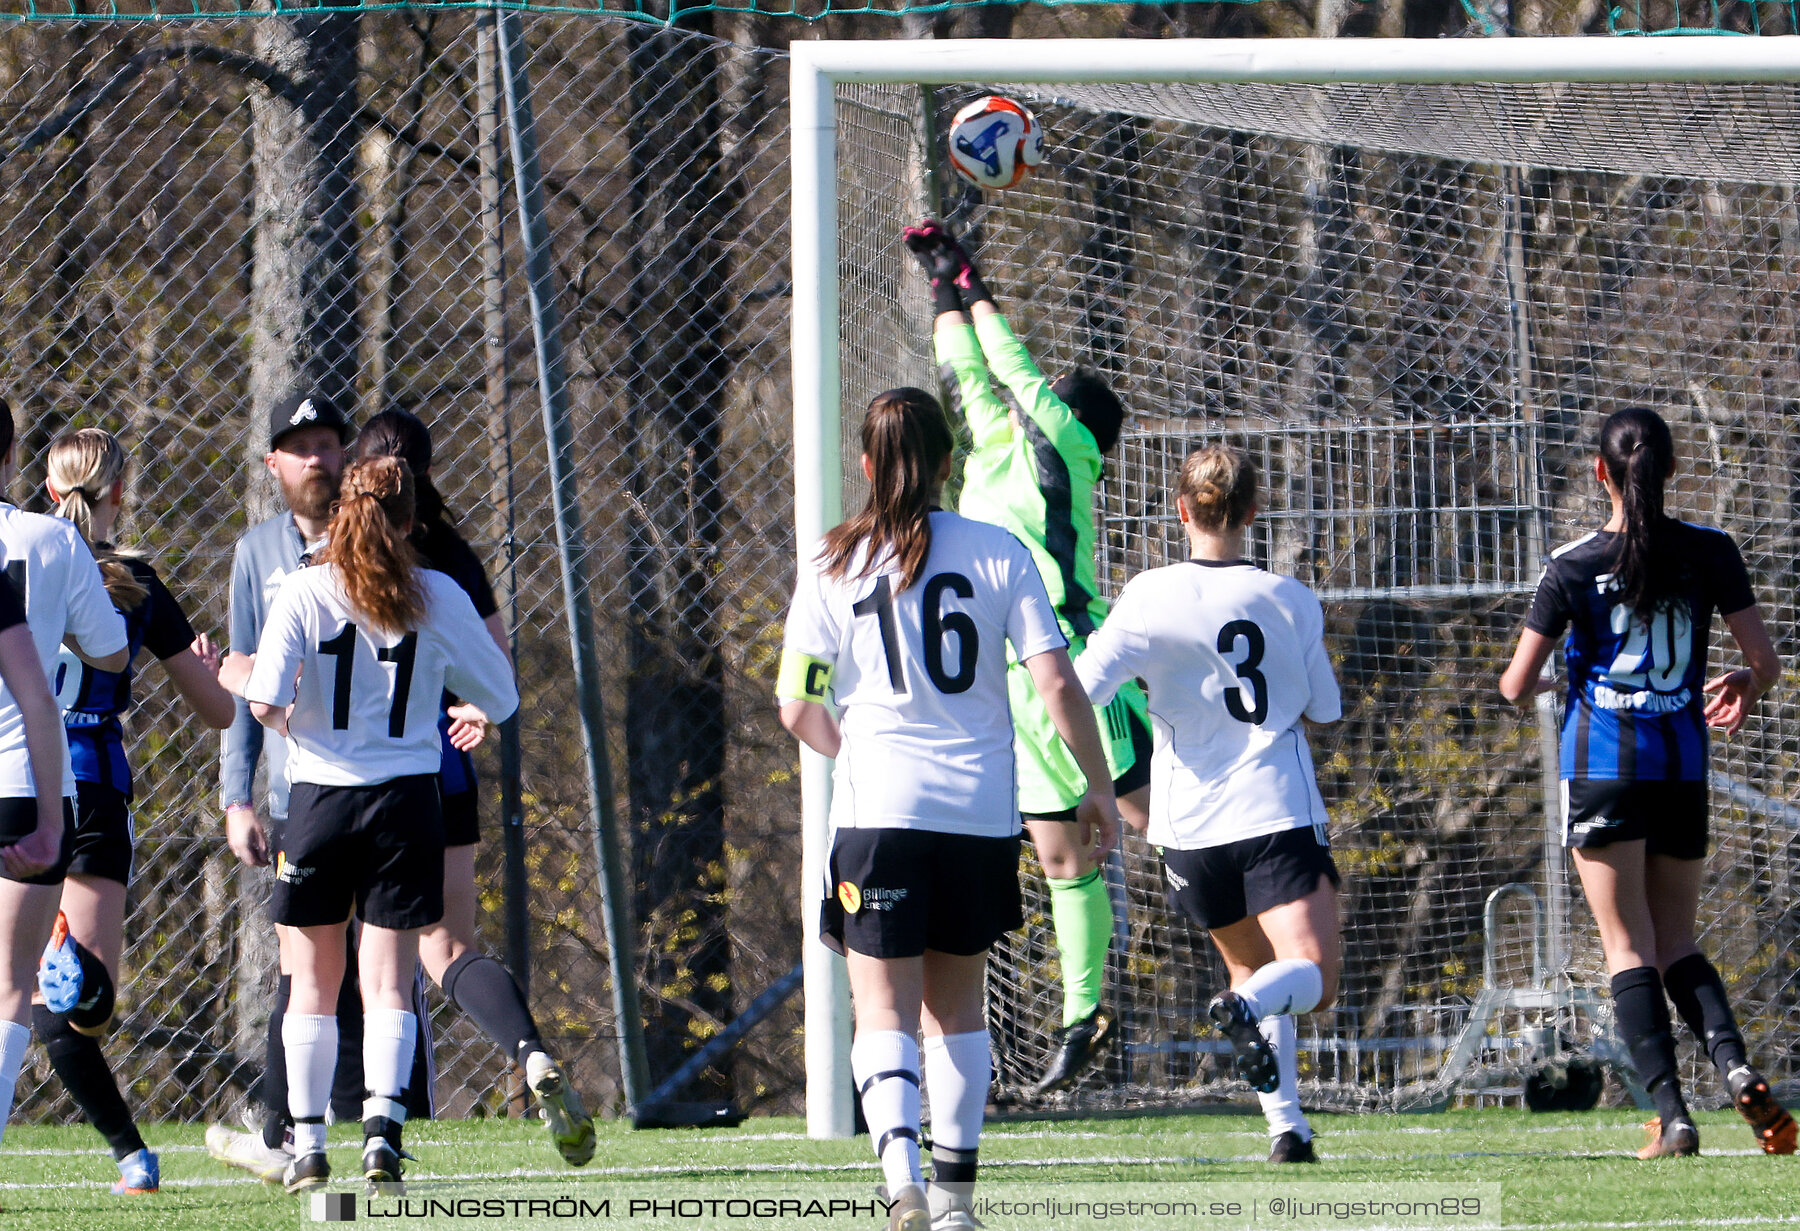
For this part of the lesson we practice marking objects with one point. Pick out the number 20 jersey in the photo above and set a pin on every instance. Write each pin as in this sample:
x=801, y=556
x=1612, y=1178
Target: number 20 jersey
x=1635, y=709
x=920, y=679
x=366, y=702
x=1232, y=658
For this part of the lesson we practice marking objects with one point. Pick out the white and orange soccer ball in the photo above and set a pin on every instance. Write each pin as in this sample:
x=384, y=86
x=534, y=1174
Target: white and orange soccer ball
x=994, y=141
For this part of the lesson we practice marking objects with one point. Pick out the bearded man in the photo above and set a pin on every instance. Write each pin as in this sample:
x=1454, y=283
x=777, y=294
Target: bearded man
x=307, y=435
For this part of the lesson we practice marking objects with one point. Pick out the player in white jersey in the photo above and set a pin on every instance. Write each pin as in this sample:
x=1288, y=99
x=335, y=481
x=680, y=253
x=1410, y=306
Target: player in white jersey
x=894, y=663
x=374, y=639
x=54, y=580
x=1233, y=658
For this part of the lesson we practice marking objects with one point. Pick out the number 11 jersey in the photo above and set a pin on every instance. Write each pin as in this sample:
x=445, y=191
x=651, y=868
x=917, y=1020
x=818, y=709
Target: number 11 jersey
x=920, y=678
x=366, y=702
x=1635, y=709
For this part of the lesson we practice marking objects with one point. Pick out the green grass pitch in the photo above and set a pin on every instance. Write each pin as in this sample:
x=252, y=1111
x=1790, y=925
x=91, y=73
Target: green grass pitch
x=1555, y=1171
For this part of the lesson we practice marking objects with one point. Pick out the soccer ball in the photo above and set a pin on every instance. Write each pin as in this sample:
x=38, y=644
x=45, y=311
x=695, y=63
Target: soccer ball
x=994, y=141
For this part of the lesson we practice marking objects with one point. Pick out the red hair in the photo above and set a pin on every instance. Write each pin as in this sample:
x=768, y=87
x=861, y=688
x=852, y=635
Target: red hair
x=379, y=568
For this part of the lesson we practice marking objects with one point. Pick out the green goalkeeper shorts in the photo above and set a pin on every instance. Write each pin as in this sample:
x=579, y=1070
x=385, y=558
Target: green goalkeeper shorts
x=1049, y=779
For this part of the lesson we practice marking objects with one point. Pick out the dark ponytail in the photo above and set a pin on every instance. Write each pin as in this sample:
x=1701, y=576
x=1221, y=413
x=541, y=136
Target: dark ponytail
x=402, y=434
x=1639, y=455
x=906, y=438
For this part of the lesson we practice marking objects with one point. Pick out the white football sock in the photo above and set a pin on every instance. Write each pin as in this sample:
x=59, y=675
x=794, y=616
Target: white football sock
x=389, y=1037
x=14, y=1040
x=957, y=1072
x=958, y=1068
x=1292, y=985
x=1282, y=1108
x=311, y=1043
x=885, y=1065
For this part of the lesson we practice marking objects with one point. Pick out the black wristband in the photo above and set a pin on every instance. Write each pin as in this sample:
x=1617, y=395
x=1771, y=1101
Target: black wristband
x=944, y=295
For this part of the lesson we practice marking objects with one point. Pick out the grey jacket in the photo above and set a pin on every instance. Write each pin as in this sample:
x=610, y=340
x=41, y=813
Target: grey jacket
x=265, y=556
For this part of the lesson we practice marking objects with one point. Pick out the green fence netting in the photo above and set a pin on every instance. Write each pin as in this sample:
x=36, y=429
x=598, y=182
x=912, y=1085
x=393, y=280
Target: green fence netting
x=1638, y=17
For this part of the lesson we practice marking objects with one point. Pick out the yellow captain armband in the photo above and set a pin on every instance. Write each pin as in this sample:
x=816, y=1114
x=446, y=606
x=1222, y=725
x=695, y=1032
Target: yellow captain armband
x=802, y=677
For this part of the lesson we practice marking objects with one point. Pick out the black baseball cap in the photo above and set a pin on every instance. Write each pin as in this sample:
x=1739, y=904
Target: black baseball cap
x=298, y=410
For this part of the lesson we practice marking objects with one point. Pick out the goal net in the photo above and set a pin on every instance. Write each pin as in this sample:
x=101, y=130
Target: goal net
x=1413, y=303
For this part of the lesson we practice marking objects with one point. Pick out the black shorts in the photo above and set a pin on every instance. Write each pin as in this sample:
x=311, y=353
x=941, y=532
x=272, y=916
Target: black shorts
x=1670, y=817
x=899, y=892
x=380, y=847
x=100, y=843
x=1143, y=746
x=462, y=818
x=1216, y=886
x=18, y=817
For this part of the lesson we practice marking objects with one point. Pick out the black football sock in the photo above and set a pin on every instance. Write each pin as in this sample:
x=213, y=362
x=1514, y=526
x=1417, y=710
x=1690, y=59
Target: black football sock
x=1643, y=1016
x=347, y=1082
x=952, y=1166
x=416, y=1097
x=82, y=1067
x=482, y=988
x=274, y=1079
x=1699, y=994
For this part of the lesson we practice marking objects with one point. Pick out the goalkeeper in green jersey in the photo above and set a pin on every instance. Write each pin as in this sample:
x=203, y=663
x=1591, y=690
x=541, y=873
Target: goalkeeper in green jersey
x=1033, y=469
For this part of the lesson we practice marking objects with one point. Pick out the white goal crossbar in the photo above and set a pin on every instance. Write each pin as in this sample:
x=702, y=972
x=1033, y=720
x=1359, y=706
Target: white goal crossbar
x=818, y=68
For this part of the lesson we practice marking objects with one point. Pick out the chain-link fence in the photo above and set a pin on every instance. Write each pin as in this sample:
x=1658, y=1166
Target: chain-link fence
x=159, y=184
x=171, y=194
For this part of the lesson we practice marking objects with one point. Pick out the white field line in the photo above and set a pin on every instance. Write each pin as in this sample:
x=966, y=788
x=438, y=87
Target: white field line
x=1751, y=1220
x=800, y=1170
x=1331, y=1132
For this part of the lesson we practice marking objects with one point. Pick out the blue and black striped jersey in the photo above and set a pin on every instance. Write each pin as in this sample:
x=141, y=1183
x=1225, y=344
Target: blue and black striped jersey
x=93, y=700
x=1634, y=705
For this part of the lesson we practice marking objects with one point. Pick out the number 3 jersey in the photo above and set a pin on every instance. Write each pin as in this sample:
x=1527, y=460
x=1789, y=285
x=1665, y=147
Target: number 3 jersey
x=1635, y=709
x=366, y=704
x=1232, y=657
x=920, y=678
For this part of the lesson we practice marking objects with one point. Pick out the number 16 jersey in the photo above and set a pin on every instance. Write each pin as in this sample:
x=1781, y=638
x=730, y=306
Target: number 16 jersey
x=920, y=678
x=1635, y=709
x=366, y=702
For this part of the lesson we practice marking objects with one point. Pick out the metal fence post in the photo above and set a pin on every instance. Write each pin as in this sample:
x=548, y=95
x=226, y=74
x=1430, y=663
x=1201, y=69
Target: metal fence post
x=499, y=406
x=553, y=393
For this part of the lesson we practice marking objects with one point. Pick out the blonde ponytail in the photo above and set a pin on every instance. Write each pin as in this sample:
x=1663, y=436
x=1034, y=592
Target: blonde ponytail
x=82, y=466
x=1219, y=485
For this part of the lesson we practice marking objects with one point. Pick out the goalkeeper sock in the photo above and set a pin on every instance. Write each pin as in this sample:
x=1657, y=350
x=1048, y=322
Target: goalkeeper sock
x=1698, y=992
x=1282, y=1108
x=1292, y=985
x=1643, y=1016
x=885, y=1065
x=1081, y=911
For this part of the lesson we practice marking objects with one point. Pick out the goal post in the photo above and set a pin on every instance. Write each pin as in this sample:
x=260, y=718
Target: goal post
x=820, y=70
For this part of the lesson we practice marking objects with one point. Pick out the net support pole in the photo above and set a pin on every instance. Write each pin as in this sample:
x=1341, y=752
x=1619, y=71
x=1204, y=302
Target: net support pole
x=818, y=505
x=1301, y=61
x=818, y=67
x=498, y=397
x=559, y=443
